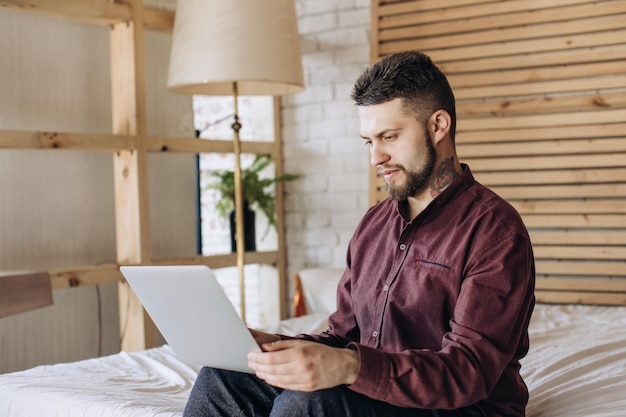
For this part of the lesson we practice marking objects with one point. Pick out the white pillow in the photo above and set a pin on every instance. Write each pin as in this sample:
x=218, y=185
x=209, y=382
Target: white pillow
x=319, y=286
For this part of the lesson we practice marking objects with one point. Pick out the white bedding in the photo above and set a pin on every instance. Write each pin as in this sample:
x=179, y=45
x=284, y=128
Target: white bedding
x=576, y=368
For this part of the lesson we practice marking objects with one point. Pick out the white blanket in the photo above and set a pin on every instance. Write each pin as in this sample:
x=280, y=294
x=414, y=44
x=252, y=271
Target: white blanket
x=576, y=368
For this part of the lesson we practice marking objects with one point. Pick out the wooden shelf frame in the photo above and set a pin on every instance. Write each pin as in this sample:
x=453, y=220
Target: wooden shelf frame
x=130, y=145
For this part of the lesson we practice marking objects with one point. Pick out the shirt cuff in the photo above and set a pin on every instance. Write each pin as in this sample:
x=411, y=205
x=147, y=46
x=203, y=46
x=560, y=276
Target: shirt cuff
x=374, y=368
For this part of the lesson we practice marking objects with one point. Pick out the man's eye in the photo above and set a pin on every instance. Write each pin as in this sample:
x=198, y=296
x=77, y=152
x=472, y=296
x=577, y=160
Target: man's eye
x=368, y=143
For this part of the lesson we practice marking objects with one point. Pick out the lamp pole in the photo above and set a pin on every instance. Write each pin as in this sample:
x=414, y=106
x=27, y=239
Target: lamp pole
x=239, y=221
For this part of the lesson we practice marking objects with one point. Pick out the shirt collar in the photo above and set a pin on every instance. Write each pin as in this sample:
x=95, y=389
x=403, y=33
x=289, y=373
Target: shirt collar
x=447, y=196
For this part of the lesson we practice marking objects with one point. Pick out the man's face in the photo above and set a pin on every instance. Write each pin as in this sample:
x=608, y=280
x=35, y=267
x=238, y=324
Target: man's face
x=400, y=147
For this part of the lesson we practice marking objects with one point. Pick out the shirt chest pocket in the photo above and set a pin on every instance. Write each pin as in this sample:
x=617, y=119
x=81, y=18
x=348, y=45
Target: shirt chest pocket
x=424, y=286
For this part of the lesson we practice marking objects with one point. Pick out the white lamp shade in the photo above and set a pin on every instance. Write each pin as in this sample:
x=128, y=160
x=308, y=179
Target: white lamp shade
x=254, y=43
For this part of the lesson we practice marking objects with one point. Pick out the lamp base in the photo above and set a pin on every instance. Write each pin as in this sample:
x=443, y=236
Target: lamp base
x=249, y=221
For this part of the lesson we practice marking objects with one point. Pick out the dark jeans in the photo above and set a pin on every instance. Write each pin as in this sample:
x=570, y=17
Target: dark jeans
x=227, y=393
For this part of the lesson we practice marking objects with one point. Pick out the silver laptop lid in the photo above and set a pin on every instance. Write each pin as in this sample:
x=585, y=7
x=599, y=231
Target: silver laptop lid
x=194, y=315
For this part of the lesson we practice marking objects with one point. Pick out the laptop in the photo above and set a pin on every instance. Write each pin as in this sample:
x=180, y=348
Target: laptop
x=194, y=315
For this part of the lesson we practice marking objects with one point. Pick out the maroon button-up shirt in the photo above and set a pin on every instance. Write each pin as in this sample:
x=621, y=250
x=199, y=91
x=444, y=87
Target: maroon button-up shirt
x=438, y=307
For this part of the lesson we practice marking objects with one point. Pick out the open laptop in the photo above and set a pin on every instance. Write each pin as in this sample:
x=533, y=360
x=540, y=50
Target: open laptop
x=194, y=315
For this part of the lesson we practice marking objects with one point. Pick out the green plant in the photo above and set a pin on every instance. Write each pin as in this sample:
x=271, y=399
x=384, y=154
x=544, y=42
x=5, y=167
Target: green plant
x=256, y=190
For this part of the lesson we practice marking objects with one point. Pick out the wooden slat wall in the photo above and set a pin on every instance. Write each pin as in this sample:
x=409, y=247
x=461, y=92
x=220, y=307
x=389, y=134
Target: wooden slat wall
x=541, y=102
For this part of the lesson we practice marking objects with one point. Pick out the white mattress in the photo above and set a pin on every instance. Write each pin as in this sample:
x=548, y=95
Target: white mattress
x=577, y=363
x=576, y=368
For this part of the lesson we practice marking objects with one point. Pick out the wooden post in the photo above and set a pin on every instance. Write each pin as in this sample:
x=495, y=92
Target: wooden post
x=132, y=214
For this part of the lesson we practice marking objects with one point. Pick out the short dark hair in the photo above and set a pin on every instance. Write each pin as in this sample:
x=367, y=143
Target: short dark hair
x=411, y=76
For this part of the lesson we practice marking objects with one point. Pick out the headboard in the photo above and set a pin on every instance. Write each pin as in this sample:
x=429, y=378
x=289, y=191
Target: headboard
x=541, y=105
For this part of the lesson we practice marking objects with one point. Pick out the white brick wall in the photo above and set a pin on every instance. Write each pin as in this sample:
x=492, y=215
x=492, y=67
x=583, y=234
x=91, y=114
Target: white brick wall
x=321, y=135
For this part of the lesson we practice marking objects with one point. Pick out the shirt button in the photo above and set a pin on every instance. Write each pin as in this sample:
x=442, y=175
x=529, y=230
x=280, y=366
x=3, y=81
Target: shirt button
x=375, y=333
x=402, y=246
x=386, y=288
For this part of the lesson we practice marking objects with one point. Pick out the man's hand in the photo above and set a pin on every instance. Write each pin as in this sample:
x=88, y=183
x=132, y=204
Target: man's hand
x=300, y=365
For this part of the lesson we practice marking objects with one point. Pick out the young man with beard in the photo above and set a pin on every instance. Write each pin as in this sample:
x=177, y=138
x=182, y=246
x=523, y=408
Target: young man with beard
x=434, y=304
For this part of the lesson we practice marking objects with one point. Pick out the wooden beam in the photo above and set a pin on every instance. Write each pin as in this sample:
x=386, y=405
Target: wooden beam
x=193, y=145
x=91, y=275
x=90, y=11
x=132, y=213
x=94, y=12
x=14, y=139
x=21, y=139
x=222, y=261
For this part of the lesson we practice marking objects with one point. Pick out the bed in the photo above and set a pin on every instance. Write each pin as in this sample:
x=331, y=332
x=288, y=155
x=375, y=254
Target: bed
x=576, y=367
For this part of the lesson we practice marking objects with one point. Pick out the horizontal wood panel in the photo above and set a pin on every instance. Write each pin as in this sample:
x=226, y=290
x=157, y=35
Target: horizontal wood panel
x=549, y=73
x=542, y=192
x=430, y=27
x=581, y=284
x=534, y=60
x=587, y=237
x=415, y=13
x=573, y=206
x=544, y=120
x=577, y=237
x=580, y=252
x=541, y=103
x=581, y=268
x=580, y=297
x=557, y=43
x=592, y=221
x=427, y=42
x=535, y=133
x=398, y=7
x=554, y=147
x=583, y=85
x=547, y=162
x=551, y=177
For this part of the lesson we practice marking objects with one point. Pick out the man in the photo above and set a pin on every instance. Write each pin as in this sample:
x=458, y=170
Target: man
x=434, y=304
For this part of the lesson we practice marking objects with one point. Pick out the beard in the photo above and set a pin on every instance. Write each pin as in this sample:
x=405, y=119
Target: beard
x=416, y=180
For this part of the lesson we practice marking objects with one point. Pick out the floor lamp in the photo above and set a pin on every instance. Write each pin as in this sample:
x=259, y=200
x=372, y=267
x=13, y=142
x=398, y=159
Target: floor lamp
x=236, y=47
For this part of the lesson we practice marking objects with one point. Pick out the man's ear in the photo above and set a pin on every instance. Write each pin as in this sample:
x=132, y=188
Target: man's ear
x=439, y=124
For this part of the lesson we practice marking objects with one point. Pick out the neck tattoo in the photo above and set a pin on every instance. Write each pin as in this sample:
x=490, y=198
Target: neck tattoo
x=443, y=176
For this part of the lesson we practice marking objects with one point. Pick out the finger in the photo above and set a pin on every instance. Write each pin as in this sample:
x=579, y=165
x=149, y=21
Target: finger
x=282, y=345
x=289, y=382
